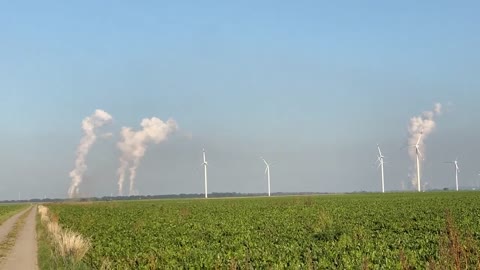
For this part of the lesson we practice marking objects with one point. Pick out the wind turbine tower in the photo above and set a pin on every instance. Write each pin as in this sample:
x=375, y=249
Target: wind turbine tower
x=381, y=162
x=455, y=162
x=419, y=155
x=205, y=164
x=267, y=172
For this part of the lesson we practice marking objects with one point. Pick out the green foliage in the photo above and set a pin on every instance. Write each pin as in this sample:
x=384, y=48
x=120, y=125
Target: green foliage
x=8, y=210
x=46, y=255
x=370, y=231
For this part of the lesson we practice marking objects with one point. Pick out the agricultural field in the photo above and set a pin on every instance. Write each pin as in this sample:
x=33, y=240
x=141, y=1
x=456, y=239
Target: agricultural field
x=7, y=210
x=369, y=231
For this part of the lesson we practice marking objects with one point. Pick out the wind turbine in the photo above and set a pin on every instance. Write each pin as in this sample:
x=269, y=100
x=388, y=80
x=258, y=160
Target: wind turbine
x=455, y=162
x=381, y=162
x=419, y=155
x=205, y=164
x=267, y=172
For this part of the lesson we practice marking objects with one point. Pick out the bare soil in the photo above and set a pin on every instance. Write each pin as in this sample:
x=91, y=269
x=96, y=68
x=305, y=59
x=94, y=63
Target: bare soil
x=23, y=255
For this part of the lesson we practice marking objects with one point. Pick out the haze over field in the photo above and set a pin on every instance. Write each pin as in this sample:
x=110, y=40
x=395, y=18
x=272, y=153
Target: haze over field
x=312, y=87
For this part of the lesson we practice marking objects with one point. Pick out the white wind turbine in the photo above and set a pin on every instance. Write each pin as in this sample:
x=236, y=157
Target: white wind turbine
x=455, y=162
x=418, y=155
x=205, y=164
x=380, y=161
x=267, y=172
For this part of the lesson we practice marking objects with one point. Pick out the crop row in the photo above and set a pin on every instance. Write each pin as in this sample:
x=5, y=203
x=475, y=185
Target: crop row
x=376, y=231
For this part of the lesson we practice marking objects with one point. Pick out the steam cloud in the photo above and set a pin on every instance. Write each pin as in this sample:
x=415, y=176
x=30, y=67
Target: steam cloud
x=133, y=145
x=423, y=123
x=89, y=125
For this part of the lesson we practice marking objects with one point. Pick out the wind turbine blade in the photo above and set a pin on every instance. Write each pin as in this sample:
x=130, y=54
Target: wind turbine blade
x=266, y=169
x=419, y=138
x=419, y=153
x=264, y=161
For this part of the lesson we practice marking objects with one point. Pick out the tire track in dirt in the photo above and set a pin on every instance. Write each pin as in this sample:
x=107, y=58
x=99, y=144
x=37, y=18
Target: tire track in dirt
x=23, y=254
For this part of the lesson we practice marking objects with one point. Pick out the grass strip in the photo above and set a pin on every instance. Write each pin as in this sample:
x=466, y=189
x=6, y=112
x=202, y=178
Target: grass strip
x=47, y=255
x=14, y=210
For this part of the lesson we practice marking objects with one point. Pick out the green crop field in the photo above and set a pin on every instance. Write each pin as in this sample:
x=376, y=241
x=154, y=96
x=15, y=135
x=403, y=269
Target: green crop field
x=7, y=210
x=370, y=231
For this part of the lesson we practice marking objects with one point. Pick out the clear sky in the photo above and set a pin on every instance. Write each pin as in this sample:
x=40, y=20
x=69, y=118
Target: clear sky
x=312, y=86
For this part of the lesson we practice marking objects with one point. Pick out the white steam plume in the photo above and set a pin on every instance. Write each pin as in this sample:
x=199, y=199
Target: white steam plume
x=133, y=146
x=89, y=126
x=425, y=124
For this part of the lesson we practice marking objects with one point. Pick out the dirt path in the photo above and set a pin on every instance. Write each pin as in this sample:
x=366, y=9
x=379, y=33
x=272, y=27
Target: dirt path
x=23, y=254
x=7, y=226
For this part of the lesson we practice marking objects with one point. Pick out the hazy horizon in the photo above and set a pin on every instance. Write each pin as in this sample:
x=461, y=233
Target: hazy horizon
x=312, y=87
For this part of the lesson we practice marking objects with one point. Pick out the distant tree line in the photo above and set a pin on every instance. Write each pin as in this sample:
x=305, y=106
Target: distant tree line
x=153, y=197
x=184, y=196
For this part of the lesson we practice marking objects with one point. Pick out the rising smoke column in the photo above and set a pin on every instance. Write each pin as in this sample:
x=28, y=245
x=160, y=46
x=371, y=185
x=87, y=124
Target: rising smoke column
x=89, y=126
x=425, y=124
x=133, y=145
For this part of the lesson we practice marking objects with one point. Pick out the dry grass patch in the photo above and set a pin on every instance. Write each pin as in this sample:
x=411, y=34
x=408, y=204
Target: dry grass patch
x=68, y=244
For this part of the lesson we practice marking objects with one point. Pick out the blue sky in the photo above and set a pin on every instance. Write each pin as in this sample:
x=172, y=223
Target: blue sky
x=311, y=85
